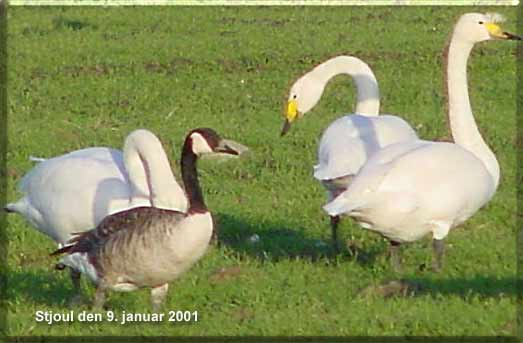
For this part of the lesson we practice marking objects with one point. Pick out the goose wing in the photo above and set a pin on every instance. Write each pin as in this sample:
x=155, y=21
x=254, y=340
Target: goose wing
x=128, y=222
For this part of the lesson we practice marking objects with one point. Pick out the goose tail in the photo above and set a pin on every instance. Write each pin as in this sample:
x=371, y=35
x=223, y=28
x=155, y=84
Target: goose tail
x=63, y=250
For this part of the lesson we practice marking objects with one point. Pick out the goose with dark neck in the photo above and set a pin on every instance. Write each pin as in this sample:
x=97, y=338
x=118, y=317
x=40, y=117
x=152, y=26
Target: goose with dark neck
x=148, y=246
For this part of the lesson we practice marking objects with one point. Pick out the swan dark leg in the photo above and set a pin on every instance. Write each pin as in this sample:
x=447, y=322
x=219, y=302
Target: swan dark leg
x=335, y=220
x=395, y=257
x=158, y=295
x=438, y=250
x=77, y=296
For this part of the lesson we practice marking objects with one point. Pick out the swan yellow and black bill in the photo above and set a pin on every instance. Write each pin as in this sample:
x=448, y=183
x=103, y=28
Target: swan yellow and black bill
x=496, y=32
x=290, y=116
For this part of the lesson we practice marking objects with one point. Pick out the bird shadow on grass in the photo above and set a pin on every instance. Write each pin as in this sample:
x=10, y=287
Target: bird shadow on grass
x=273, y=241
x=477, y=286
x=481, y=285
x=40, y=286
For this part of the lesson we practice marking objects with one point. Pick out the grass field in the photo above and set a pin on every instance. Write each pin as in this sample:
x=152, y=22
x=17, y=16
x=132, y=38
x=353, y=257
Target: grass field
x=81, y=77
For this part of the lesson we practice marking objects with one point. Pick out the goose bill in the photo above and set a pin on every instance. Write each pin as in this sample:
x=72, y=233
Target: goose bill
x=226, y=147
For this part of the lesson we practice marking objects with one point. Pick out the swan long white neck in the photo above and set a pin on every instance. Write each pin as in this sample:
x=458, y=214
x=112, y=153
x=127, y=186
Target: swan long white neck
x=149, y=171
x=368, y=98
x=462, y=123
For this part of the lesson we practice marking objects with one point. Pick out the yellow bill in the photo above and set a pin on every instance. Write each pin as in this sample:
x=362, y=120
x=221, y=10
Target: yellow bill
x=290, y=116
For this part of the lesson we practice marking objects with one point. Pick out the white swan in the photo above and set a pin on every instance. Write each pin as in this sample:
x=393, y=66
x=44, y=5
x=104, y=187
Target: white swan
x=350, y=140
x=72, y=193
x=410, y=189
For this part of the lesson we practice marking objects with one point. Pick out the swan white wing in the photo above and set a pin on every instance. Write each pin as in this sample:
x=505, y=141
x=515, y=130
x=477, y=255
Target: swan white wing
x=438, y=181
x=350, y=140
x=102, y=154
x=66, y=195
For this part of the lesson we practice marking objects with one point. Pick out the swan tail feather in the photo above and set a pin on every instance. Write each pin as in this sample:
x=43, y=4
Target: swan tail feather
x=340, y=205
x=37, y=159
x=12, y=208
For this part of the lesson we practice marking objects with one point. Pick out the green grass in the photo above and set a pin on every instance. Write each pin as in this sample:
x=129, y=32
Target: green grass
x=82, y=77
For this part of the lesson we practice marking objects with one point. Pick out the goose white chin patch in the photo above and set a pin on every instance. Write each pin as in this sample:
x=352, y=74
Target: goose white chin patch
x=199, y=144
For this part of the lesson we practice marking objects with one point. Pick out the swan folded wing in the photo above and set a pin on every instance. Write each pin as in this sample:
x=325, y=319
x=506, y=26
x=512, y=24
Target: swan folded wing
x=128, y=222
x=351, y=140
x=372, y=178
x=339, y=156
x=342, y=150
x=98, y=153
x=391, y=129
x=81, y=160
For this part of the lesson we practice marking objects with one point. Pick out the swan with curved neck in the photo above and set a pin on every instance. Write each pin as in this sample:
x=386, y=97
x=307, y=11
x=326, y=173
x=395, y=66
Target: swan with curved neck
x=74, y=192
x=148, y=246
x=411, y=189
x=350, y=140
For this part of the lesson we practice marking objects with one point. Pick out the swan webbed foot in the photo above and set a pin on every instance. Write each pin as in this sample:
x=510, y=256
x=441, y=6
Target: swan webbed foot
x=158, y=296
x=395, y=256
x=335, y=220
x=438, y=249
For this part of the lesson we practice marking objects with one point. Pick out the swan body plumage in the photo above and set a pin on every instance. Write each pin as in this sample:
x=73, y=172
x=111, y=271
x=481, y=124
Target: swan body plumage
x=74, y=192
x=349, y=142
x=405, y=192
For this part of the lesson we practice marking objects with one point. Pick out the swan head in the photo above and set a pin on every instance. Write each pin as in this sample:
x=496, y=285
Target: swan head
x=206, y=141
x=303, y=96
x=478, y=27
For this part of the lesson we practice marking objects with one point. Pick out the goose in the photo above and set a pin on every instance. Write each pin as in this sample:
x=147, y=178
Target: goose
x=74, y=192
x=149, y=246
x=351, y=139
x=410, y=189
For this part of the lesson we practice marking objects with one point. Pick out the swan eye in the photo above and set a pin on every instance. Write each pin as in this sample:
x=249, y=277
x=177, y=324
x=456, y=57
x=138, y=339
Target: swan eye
x=481, y=22
x=294, y=96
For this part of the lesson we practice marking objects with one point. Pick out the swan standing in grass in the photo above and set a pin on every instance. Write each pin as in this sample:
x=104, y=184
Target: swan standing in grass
x=350, y=140
x=411, y=189
x=148, y=246
x=74, y=192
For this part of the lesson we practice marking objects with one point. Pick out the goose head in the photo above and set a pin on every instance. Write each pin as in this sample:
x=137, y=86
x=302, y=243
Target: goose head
x=204, y=141
x=303, y=96
x=477, y=27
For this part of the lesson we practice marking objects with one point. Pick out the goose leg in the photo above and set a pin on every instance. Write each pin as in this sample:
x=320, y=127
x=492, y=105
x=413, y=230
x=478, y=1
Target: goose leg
x=158, y=295
x=335, y=220
x=77, y=297
x=438, y=250
x=99, y=296
x=395, y=258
